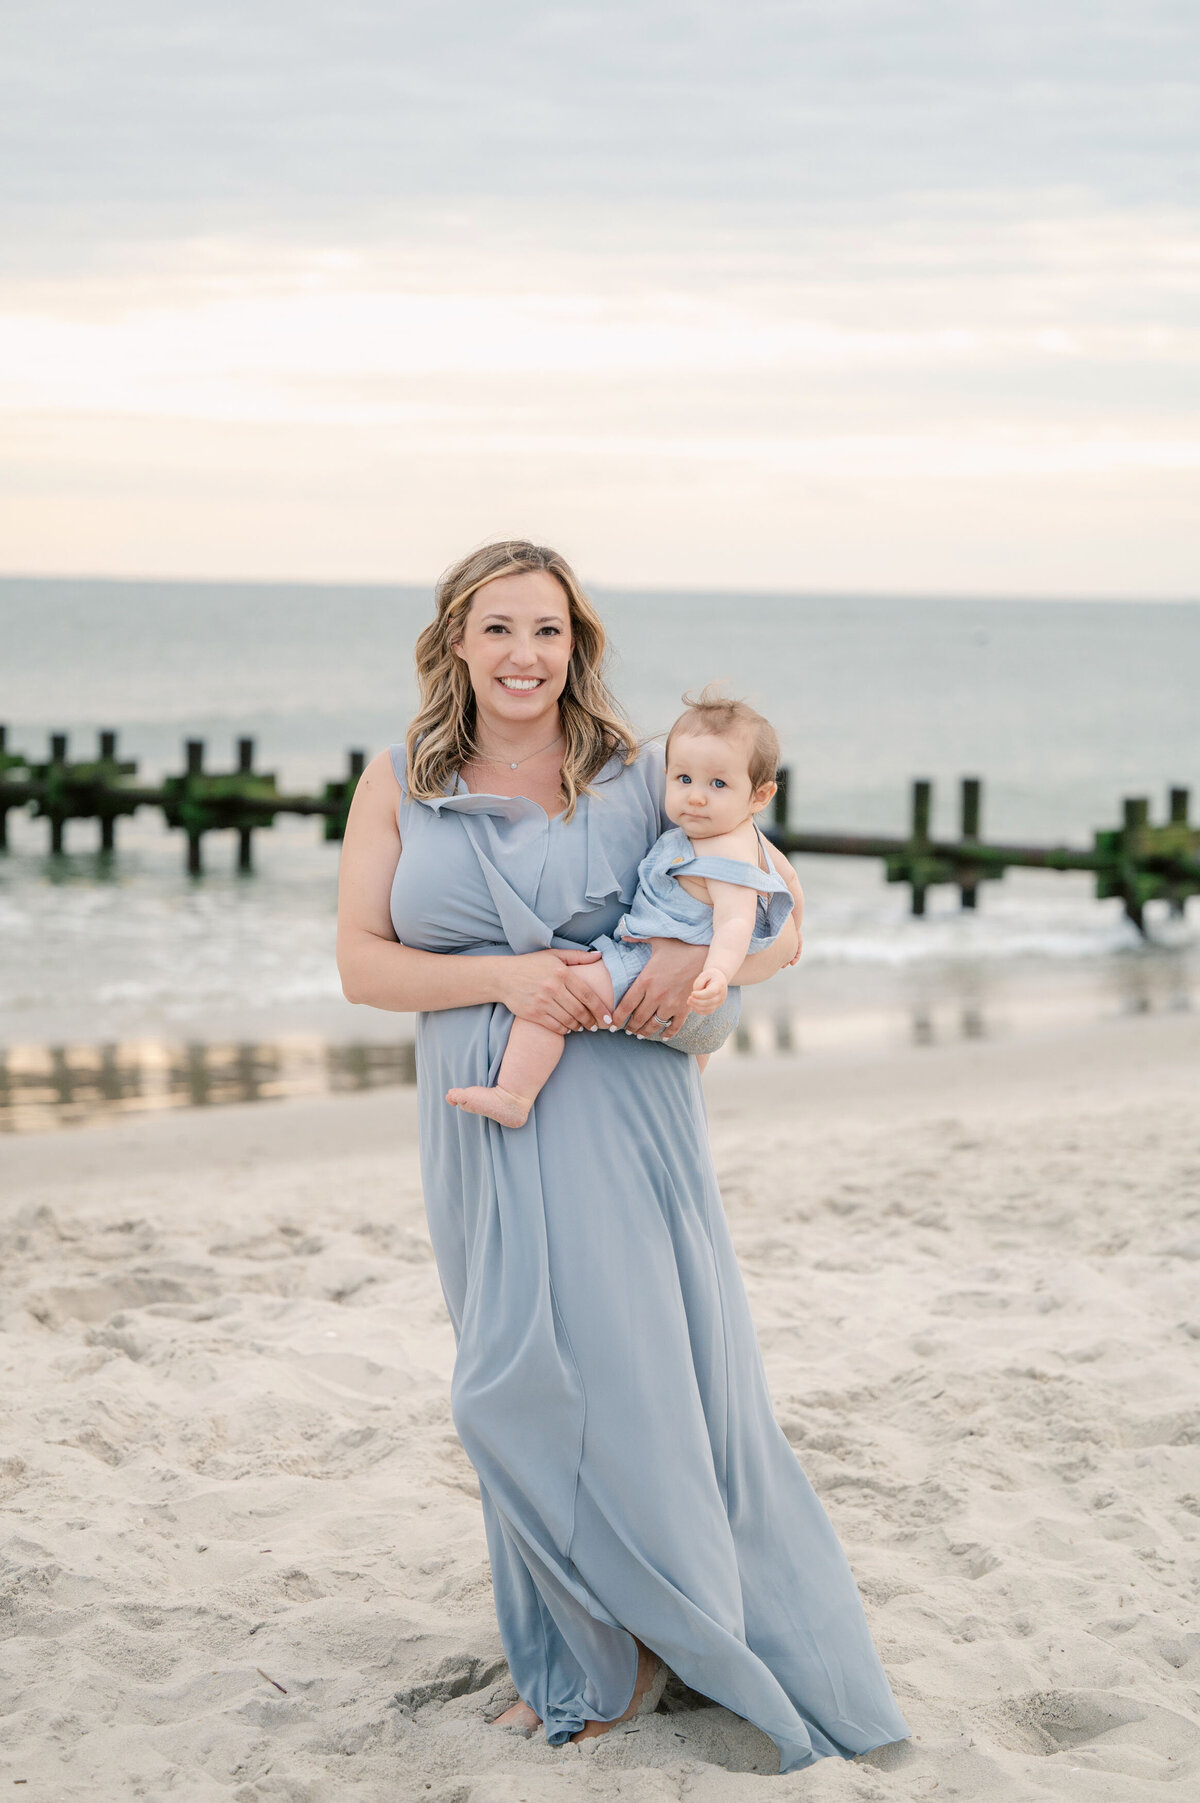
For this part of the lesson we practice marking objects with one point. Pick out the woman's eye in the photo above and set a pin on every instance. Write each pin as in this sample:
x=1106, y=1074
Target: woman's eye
x=494, y=627
x=554, y=629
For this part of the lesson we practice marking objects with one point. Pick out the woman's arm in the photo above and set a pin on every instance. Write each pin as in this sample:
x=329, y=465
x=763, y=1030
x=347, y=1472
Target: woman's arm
x=784, y=866
x=378, y=971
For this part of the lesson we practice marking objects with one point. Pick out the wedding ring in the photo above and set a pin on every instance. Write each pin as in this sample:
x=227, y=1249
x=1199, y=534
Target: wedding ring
x=661, y=1021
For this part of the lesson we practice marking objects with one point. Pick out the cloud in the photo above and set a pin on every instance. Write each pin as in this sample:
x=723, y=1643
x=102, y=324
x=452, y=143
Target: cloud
x=685, y=272
x=150, y=116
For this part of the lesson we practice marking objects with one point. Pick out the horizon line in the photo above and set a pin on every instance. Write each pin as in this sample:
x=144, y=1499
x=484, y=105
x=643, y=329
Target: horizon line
x=640, y=589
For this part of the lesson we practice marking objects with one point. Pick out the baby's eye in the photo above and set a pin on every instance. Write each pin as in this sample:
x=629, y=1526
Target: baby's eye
x=719, y=782
x=685, y=779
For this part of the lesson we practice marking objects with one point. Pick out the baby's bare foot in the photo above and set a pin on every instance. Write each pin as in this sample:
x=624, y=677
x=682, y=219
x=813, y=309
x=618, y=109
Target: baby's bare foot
x=498, y=1104
x=519, y=1717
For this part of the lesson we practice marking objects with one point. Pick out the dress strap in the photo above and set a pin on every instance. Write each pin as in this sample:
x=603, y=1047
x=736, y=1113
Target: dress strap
x=735, y=870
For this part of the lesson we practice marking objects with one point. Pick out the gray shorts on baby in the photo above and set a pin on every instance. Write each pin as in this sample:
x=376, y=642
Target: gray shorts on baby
x=700, y=1032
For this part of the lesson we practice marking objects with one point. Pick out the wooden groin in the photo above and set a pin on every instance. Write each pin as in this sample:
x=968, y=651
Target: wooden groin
x=197, y=801
x=1137, y=861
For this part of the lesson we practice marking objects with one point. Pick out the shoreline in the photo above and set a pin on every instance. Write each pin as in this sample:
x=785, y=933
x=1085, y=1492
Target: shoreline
x=59, y=1070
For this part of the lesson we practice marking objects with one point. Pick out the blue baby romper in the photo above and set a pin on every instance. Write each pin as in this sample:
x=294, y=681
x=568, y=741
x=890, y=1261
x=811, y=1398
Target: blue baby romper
x=662, y=908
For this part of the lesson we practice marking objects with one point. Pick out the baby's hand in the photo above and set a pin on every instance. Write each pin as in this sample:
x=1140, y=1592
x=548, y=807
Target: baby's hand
x=708, y=992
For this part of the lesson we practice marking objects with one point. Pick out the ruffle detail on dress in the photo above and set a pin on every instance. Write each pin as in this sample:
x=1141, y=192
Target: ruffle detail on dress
x=504, y=807
x=499, y=826
x=608, y=836
x=457, y=797
x=510, y=832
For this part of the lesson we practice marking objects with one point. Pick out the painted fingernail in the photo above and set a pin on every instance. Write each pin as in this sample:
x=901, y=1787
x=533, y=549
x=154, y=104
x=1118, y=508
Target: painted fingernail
x=612, y=1029
x=593, y=1029
x=608, y=1020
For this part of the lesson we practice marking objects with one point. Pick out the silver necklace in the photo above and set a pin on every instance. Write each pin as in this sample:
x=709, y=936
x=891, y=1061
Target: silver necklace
x=479, y=759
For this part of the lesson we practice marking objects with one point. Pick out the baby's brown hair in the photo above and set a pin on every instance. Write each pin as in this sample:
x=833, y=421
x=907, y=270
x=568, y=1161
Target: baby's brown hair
x=712, y=712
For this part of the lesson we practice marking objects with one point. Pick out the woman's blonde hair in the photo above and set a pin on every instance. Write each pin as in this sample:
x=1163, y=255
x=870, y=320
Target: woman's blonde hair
x=441, y=735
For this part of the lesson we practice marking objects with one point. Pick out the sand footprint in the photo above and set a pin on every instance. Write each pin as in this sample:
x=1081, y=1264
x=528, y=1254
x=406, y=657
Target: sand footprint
x=457, y=1675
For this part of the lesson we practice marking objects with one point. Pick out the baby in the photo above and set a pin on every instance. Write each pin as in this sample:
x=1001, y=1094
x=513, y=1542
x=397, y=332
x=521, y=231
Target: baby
x=711, y=879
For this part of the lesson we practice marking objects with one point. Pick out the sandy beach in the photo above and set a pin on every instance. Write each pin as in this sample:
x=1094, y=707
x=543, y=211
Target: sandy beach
x=242, y=1555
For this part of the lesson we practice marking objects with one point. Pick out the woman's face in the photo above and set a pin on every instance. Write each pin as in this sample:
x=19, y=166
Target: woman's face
x=517, y=645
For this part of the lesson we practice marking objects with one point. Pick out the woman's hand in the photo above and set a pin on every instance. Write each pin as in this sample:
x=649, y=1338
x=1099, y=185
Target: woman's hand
x=663, y=989
x=537, y=986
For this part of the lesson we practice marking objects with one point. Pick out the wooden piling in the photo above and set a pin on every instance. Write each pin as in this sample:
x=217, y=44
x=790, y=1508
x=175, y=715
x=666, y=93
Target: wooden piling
x=969, y=816
x=245, y=855
x=58, y=758
x=780, y=799
x=1137, y=816
x=922, y=807
x=338, y=796
x=194, y=753
x=107, y=746
x=1177, y=814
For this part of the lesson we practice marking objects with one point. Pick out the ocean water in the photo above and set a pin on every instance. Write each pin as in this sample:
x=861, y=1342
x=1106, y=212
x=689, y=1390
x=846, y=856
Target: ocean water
x=1061, y=708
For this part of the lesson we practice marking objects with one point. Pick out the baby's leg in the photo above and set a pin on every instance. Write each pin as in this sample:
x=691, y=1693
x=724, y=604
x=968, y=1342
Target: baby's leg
x=529, y=1059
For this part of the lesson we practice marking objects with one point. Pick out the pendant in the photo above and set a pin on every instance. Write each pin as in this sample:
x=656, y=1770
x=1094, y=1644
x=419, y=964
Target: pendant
x=512, y=766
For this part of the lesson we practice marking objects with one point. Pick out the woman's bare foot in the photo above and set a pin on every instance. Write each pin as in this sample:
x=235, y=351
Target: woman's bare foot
x=649, y=1669
x=498, y=1104
x=519, y=1716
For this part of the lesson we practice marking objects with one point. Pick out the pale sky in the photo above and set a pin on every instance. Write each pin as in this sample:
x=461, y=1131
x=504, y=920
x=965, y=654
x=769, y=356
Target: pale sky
x=850, y=295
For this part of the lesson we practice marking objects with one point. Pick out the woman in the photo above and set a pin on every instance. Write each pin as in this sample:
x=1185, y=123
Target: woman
x=643, y=1508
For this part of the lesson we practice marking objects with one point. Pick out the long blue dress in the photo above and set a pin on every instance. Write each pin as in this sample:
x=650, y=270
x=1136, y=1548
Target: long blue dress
x=608, y=1387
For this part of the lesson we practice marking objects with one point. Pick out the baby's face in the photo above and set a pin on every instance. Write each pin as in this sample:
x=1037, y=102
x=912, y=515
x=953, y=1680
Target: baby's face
x=708, y=784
